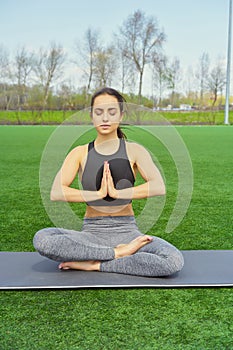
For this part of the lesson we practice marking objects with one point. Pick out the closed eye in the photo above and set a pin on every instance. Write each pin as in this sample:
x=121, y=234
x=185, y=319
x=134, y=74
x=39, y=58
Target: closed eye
x=98, y=111
x=112, y=111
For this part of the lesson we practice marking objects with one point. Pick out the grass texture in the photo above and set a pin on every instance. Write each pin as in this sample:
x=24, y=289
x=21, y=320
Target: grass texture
x=129, y=319
x=53, y=117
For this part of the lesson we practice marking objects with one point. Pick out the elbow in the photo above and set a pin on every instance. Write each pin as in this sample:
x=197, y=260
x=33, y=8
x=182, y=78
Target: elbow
x=56, y=195
x=158, y=189
x=162, y=190
x=57, y=192
x=53, y=196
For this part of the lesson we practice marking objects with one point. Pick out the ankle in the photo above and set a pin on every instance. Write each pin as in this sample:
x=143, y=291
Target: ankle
x=116, y=251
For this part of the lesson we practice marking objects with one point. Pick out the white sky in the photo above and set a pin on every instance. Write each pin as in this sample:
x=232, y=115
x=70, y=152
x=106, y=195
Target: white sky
x=191, y=26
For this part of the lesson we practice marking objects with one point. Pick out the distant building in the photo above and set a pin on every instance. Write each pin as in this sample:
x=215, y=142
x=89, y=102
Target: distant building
x=185, y=107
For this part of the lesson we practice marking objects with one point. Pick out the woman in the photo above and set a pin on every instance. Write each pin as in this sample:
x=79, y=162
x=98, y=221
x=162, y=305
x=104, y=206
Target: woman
x=110, y=240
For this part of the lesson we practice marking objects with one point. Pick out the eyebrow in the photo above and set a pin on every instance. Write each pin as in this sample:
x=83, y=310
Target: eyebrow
x=101, y=109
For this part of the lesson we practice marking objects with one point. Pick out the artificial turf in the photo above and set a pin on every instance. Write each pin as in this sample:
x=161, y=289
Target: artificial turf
x=120, y=318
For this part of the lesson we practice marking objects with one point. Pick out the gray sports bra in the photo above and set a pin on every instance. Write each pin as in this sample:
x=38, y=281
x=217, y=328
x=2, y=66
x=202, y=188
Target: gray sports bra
x=120, y=168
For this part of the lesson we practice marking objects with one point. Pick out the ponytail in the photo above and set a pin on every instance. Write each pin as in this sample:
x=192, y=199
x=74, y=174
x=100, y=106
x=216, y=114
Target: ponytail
x=120, y=133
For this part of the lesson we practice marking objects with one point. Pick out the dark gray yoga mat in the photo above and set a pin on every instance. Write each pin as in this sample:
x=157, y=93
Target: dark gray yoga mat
x=28, y=270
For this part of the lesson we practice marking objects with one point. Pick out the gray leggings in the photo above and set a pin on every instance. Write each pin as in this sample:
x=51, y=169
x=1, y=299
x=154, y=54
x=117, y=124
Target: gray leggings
x=96, y=241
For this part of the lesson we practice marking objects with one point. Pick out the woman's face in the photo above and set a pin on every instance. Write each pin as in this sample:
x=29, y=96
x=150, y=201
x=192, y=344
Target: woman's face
x=106, y=114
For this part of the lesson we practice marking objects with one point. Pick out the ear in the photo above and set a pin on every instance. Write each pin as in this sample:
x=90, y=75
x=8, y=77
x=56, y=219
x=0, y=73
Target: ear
x=121, y=117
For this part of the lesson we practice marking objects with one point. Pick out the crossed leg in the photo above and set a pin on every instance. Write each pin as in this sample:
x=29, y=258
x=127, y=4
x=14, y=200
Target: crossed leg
x=120, y=250
x=142, y=256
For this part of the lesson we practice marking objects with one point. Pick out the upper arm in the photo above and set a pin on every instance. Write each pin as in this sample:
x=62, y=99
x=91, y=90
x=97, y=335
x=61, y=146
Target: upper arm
x=70, y=166
x=144, y=163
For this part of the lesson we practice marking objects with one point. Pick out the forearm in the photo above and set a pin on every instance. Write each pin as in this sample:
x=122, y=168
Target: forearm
x=69, y=194
x=148, y=189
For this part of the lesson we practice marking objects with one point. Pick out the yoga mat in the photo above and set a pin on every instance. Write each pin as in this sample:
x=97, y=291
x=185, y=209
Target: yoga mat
x=29, y=270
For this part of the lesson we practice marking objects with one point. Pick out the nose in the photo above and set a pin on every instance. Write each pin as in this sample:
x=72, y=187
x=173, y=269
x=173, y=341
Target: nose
x=105, y=116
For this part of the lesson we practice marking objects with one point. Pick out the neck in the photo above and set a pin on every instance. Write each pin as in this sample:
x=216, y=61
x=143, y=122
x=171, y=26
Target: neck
x=106, y=145
x=103, y=138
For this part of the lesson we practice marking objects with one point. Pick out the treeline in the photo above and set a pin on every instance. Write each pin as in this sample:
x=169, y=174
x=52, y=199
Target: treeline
x=35, y=80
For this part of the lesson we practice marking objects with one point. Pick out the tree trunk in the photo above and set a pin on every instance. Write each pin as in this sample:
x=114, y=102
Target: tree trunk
x=140, y=87
x=215, y=97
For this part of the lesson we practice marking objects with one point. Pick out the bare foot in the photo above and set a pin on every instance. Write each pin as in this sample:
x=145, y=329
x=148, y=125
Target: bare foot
x=128, y=249
x=88, y=265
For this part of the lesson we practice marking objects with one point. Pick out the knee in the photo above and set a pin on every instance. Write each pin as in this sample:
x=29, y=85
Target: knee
x=40, y=240
x=37, y=239
x=176, y=263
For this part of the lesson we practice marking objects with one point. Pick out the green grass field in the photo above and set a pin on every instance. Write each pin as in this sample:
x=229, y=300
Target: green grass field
x=57, y=117
x=115, y=319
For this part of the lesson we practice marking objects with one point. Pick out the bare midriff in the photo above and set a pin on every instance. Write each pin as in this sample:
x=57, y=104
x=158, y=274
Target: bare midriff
x=121, y=210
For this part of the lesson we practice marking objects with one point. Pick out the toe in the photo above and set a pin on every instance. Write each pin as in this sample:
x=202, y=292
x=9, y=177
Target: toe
x=64, y=266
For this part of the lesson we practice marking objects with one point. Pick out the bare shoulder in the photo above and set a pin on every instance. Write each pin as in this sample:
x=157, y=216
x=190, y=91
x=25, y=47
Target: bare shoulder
x=134, y=149
x=78, y=153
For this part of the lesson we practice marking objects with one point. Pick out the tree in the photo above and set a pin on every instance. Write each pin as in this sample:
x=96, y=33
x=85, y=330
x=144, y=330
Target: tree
x=5, y=89
x=48, y=67
x=87, y=52
x=202, y=74
x=216, y=81
x=140, y=40
x=23, y=69
x=159, y=67
x=65, y=94
x=4, y=64
x=173, y=77
x=104, y=67
x=126, y=71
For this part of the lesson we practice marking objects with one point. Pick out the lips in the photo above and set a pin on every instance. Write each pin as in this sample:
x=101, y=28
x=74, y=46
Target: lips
x=105, y=125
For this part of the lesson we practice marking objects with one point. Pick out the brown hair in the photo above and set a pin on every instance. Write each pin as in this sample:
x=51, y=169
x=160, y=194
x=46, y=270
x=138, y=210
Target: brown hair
x=120, y=99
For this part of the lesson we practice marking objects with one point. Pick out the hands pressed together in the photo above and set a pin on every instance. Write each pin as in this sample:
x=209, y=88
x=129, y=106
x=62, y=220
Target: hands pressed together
x=107, y=184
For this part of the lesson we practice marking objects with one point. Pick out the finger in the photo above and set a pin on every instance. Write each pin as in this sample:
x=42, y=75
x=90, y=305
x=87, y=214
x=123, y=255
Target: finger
x=110, y=179
x=144, y=238
x=106, y=168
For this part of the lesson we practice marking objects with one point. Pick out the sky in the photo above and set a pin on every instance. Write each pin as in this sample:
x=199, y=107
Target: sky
x=191, y=26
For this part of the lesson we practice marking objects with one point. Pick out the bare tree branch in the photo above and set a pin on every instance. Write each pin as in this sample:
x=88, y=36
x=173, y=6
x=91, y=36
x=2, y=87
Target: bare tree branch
x=216, y=81
x=202, y=73
x=104, y=66
x=173, y=77
x=4, y=64
x=49, y=66
x=140, y=39
x=159, y=67
x=87, y=51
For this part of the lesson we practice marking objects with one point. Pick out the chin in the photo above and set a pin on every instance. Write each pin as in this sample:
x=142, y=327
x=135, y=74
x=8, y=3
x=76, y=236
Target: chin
x=106, y=130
